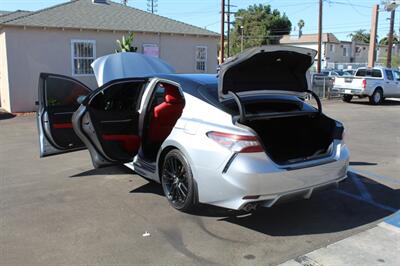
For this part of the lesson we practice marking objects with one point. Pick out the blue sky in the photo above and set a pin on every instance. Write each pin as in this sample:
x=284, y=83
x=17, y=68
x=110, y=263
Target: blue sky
x=341, y=17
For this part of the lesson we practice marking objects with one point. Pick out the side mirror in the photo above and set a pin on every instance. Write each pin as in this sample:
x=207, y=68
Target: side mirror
x=81, y=99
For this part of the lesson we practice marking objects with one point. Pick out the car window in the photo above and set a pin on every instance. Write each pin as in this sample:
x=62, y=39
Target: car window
x=63, y=92
x=158, y=95
x=122, y=96
x=376, y=73
x=389, y=74
x=396, y=75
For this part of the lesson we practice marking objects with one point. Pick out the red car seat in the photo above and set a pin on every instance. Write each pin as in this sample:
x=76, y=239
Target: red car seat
x=165, y=115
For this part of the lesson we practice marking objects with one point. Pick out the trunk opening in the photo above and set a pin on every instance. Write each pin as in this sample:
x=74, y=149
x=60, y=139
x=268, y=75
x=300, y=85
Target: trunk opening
x=290, y=139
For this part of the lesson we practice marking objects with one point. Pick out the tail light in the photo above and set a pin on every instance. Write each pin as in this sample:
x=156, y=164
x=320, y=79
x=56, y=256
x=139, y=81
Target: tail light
x=236, y=143
x=364, y=83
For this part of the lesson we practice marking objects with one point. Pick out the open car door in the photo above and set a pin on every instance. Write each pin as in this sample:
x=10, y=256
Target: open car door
x=108, y=121
x=57, y=102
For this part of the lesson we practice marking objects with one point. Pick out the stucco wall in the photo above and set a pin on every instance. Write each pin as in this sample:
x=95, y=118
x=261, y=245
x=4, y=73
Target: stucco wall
x=3, y=72
x=31, y=51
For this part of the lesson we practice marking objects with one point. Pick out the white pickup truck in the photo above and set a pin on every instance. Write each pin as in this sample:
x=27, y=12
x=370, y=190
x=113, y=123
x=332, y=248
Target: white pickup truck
x=376, y=83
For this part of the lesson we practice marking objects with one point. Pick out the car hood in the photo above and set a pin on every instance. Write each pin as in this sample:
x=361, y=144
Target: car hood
x=272, y=68
x=128, y=65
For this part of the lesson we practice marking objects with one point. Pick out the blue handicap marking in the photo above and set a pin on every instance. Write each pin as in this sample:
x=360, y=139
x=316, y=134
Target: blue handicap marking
x=394, y=219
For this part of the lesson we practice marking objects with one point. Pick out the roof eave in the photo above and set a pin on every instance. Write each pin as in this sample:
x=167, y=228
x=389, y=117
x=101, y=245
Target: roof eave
x=4, y=25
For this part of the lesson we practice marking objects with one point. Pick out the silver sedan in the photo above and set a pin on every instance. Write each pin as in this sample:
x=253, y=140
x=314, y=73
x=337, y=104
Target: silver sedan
x=240, y=139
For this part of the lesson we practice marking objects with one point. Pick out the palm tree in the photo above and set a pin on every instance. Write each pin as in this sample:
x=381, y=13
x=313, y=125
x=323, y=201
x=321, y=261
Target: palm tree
x=385, y=40
x=300, y=24
x=360, y=36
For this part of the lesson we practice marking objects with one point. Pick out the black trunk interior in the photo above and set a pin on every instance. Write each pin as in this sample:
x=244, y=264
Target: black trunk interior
x=295, y=138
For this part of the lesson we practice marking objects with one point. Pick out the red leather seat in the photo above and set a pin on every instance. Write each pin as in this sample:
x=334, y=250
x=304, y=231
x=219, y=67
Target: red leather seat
x=165, y=115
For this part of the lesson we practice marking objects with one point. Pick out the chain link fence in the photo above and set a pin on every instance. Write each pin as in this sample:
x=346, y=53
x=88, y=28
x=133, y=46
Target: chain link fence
x=323, y=87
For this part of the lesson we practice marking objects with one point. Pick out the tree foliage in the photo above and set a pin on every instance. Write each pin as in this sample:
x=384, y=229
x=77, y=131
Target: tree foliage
x=360, y=36
x=260, y=25
x=385, y=40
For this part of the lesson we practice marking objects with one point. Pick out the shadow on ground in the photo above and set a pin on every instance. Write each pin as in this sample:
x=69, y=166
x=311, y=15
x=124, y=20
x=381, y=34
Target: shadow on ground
x=111, y=170
x=5, y=115
x=327, y=211
x=384, y=103
x=361, y=163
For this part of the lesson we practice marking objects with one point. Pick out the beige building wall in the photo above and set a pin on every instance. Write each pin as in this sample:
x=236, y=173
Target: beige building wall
x=31, y=51
x=4, y=93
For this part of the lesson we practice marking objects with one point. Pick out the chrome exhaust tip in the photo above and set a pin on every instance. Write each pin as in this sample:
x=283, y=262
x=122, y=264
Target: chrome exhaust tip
x=250, y=207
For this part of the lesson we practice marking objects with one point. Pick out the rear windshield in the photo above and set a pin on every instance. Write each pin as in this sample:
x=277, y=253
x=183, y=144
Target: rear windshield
x=375, y=73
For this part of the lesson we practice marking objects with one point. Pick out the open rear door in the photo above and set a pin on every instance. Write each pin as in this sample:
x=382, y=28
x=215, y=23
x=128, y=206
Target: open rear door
x=108, y=121
x=57, y=102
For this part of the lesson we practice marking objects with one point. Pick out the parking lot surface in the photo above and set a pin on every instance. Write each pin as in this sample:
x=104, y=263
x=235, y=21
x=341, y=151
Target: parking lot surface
x=59, y=210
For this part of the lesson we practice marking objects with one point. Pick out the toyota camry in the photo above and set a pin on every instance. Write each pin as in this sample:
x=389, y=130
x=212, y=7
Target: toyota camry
x=246, y=137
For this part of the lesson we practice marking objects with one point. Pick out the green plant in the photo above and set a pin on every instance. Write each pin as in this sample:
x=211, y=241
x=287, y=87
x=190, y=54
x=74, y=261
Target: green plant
x=125, y=44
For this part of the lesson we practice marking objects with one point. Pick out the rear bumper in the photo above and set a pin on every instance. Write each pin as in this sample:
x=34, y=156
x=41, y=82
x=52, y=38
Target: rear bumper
x=355, y=92
x=253, y=178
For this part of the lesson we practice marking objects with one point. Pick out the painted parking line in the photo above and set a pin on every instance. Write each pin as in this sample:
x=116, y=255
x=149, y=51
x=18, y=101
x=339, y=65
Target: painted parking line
x=394, y=219
x=386, y=180
x=365, y=195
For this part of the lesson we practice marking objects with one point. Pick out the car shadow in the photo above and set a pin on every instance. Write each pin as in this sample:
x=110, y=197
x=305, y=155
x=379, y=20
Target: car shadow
x=5, y=115
x=361, y=163
x=328, y=211
x=150, y=187
x=110, y=170
x=384, y=103
x=358, y=201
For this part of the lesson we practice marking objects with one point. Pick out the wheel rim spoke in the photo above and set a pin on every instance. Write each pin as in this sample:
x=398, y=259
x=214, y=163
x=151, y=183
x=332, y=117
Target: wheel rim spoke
x=175, y=181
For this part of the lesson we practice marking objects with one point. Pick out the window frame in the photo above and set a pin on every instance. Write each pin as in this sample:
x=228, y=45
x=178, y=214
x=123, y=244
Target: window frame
x=389, y=75
x=196, y=60
x=73, y=42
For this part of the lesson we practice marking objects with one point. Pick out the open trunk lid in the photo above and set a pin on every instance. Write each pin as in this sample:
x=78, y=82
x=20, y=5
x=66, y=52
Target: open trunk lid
x=272, y=68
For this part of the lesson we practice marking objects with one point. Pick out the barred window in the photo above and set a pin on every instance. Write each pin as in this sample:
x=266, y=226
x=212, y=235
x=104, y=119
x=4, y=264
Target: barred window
x=201, y=58
x=83, y=54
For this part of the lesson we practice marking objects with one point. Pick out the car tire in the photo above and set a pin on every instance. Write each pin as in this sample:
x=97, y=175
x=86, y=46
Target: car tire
x=177, y=181
x=377, y=97
x=347, y=98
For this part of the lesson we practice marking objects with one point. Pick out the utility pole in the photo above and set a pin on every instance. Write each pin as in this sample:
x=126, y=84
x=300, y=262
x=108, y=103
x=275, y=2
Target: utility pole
x=152, y=6
x=222, y=50
x=229, y=28
x=390, y=40
x=319, y=36
x=372, y=41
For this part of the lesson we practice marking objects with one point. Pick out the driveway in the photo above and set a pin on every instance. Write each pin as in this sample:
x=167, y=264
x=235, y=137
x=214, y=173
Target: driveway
x=58, y=210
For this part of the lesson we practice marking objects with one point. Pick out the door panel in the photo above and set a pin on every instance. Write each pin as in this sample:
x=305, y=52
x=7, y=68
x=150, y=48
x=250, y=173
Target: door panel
x=109, y=122
x=57, y=102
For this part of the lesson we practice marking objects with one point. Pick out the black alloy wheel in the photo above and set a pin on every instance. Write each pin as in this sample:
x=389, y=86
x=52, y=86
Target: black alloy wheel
x=177, y=181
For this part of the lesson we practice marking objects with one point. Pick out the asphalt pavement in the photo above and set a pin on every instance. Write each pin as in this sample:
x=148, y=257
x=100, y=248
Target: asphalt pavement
x=59, y=210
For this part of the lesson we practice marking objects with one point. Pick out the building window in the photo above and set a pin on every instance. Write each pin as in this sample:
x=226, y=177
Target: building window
x=83, y=53
x=345, y=52
x=331, y=48
x=201, y=58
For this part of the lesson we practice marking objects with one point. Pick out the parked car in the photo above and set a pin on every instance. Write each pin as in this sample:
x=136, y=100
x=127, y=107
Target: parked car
x=376, y=83
x=239, y=140
x=349, y=72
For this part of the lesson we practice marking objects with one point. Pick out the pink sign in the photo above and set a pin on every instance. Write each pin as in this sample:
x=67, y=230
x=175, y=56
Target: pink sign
x=151, y=50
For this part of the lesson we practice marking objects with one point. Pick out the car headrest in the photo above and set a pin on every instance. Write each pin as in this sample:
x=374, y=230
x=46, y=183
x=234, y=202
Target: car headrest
x=172, y=94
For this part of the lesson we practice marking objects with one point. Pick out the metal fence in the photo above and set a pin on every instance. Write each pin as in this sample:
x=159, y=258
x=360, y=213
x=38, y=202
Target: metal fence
x=323, y=87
